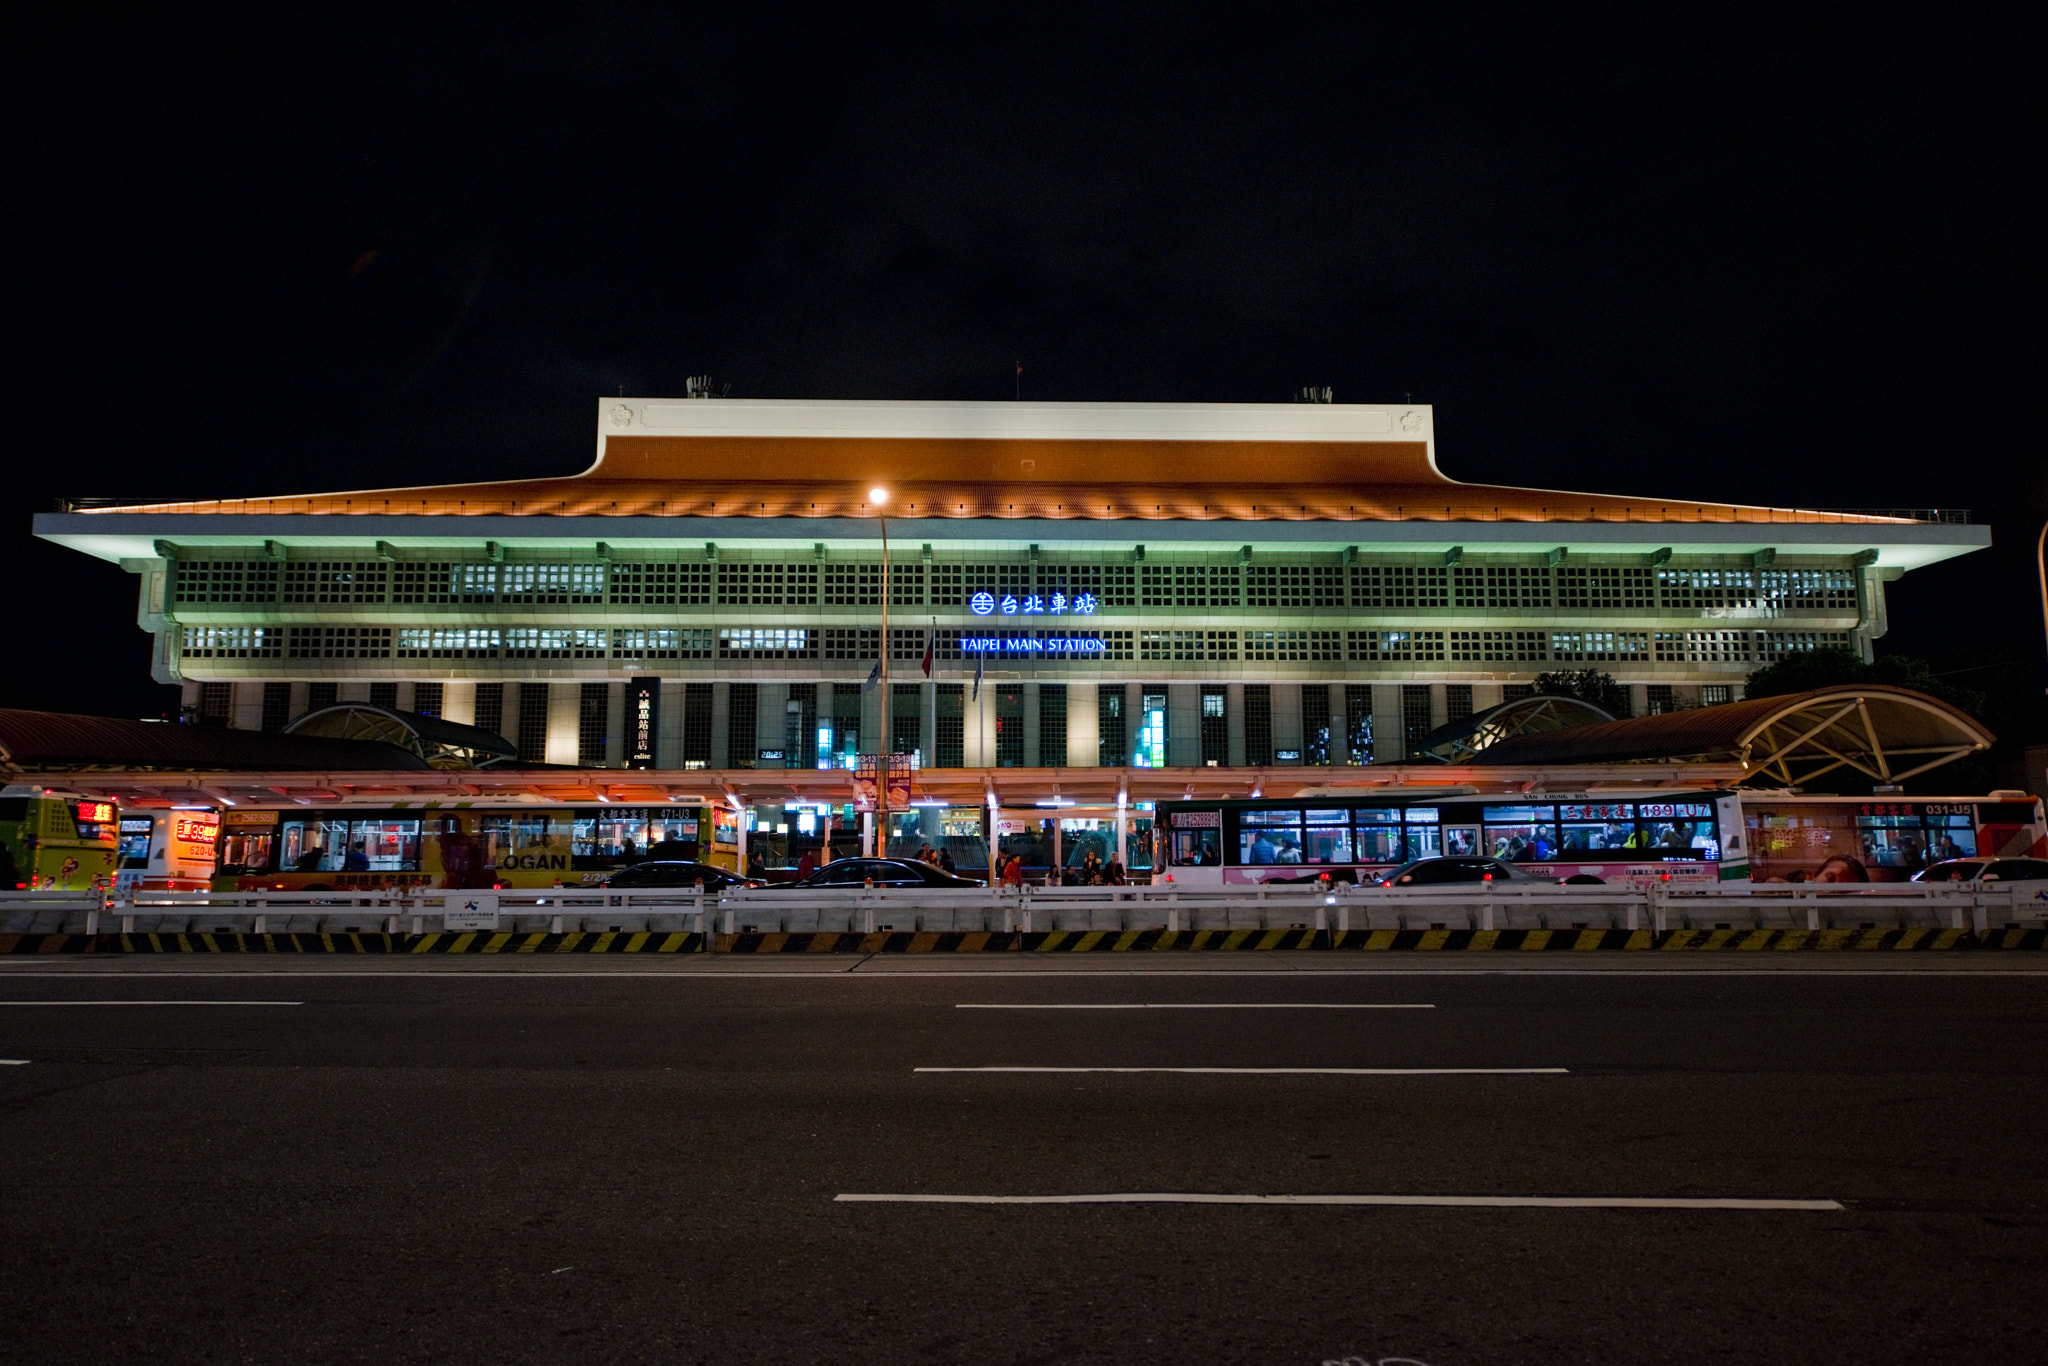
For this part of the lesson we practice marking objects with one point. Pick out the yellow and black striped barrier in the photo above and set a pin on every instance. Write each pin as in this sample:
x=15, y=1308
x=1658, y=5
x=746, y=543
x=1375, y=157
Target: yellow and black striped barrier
x=1052, y=941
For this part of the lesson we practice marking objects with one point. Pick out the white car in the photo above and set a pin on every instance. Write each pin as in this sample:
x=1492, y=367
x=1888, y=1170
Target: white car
x=1999, y=870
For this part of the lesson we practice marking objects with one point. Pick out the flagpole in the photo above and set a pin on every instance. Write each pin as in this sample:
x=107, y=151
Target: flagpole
x=885, y=766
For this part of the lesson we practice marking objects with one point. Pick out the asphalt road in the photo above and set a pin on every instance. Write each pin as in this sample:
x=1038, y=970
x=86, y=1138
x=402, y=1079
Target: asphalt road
x=597, y=1162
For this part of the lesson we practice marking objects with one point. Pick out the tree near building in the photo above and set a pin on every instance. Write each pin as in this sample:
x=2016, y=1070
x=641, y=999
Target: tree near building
x=1588, y=685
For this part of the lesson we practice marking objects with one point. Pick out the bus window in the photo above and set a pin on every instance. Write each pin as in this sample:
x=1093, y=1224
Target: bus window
x=135, y=841
x=1520, y=834
x=1196, y=848
x=1379, y=844
x=1679, y=830
x=1423, y=841
x=1950, y=833
x=342, y=846
x=528, y=842
x=1607, y=825
x=1268, y=841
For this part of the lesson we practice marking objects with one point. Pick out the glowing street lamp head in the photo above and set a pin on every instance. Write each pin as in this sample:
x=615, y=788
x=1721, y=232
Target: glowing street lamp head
x=878, y=496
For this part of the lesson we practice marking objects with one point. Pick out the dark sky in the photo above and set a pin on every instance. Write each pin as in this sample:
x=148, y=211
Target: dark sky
x=1625, y=249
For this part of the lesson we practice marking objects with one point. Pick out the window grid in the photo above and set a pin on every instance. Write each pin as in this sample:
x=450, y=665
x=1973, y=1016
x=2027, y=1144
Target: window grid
x=1699, y=590
x=1501, y=587
x=1287, y=647
x=1315, y=725
x=1595, y=587
x=554, y=642
x=1009, y=725
x=490, y=707
x=384, y=694
x=337, y=642
x=1294, y=586
x=1396, y=647
x=1198, y=646
x=1499, y=647
x=532, y=737
x=427, y=698
x=1258, y=724
x=1113, y=740
x=449, y=642
x=743, y=712
x=660, y=583
x=906, y=643
x=1358, y=723
x=593, y=711
x=320, y=696
x=949, y=736
x=1189, y=585
x=216, y=702
x=333, y=581
x=277, y=705
x=224, y=581
x=1457, y=701
x=548, y=583
x=1052, y=725
x=767, y=584
x=1214, y=733
x=1414, y=717
x=1596, y=647
x=771, y=642
x=231, y=642
x=1399, y=586
x=852, y=642
x=906, y=720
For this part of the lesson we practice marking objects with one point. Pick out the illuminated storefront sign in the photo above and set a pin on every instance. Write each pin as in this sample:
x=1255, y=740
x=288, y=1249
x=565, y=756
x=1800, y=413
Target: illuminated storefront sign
x=983, y=602
x=643, y=721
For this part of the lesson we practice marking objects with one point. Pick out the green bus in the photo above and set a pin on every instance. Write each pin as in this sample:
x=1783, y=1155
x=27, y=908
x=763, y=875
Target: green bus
x=52, y=839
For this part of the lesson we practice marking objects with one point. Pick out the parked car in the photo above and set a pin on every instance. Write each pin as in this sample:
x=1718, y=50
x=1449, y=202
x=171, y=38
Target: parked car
x=885, y=872
x=1988, y=869
x=1443, y=872
x=676, y=873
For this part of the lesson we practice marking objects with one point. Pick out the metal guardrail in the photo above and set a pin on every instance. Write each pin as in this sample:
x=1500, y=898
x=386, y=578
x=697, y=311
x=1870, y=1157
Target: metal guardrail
x=1658, y=907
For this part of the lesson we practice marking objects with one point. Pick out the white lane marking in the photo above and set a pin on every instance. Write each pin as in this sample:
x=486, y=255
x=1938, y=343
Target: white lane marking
x=1291, y=1071
x=1903, y=970
x=151, y=1003
x=1200, y=1005
x=1427, y=1201
x=13, y=1062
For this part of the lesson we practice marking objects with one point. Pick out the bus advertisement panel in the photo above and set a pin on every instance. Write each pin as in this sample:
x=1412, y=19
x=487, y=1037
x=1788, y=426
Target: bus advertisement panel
x=1844, y=839
x=528, y=846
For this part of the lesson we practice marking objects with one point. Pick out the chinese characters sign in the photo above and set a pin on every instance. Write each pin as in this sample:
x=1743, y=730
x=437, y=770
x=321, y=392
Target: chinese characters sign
x=983, y=603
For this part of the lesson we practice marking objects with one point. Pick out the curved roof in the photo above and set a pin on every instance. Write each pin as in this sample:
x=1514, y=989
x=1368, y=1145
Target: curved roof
x=436, y=741
x=58, y=741
x=1144, y=462
x=1887, y=734
x=1537, y=714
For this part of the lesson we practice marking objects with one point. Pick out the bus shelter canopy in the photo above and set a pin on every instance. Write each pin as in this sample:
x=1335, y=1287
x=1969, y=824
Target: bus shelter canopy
x=1886, y=734
x=439, y=742
x=1538, y=714
x=49, y=742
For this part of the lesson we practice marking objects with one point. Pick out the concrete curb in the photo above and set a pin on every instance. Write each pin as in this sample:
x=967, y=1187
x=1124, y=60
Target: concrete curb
x=1054, y=941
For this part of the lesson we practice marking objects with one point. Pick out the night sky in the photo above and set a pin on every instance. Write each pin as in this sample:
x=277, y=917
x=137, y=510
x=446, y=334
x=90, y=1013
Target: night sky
x=1621, y=249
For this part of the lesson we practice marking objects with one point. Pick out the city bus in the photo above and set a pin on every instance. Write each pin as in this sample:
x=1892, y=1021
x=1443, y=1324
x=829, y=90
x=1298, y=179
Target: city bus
x=52, y=839
x=167, y=851
x=1698, y=837
x=530, y=845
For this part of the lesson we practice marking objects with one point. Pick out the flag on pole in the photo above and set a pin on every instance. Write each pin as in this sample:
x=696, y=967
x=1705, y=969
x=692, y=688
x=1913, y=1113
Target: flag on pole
x=874, y=676
x=980, y=660
x=930, y=636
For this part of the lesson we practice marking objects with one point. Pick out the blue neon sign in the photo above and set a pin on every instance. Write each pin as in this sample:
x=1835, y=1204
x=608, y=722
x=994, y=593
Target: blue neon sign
x=983, y=603
x=1064, y=645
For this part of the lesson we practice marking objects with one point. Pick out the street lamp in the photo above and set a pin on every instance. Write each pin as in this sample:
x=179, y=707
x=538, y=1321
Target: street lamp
x=879, y=496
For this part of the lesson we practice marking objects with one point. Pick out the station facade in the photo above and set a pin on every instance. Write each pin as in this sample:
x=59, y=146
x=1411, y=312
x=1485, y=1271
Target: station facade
x=1072, y=586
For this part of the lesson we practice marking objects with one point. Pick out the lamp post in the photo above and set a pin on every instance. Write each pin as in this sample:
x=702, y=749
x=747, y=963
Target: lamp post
x=880, y=498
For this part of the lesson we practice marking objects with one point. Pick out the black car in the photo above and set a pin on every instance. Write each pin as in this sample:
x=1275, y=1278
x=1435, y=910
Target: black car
x=884, y=872
x=676, y=873
x=1439, y=872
